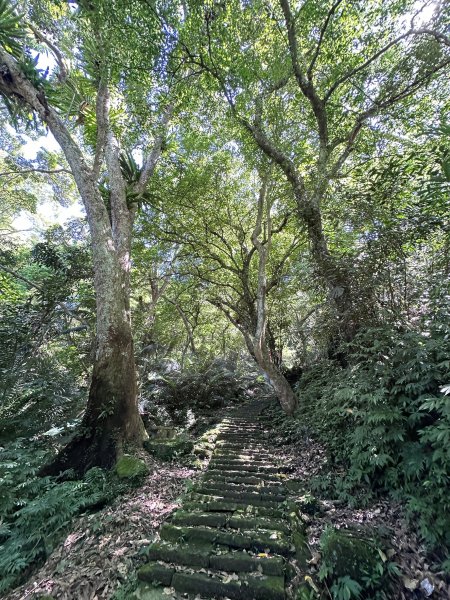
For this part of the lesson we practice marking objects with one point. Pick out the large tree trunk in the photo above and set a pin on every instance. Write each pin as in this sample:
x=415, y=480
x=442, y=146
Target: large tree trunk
x=112, y=417
x=111, y=420
x=283, y=390
x=331, y=270
x=257, y=343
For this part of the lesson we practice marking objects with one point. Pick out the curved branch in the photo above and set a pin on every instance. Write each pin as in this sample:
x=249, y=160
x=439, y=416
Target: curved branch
x=321, y=37
x=63, y=73
x=150, y=163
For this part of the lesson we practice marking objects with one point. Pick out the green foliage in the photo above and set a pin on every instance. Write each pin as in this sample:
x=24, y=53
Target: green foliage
x=386, y=420
x=35, y=512
x=43, y=349
x=204, y=385
x=12, y=32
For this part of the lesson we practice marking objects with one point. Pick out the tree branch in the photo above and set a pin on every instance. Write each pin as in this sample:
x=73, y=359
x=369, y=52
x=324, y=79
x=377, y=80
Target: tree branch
x=152, y=159
x=305, y=85
x=44, y=171
x=411, y=32
x=62, y=76
x=321, y=37
x=101, y=113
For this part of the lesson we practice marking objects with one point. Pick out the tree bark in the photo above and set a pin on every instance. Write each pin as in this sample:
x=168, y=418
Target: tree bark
x=258, y=340
x=112, y=418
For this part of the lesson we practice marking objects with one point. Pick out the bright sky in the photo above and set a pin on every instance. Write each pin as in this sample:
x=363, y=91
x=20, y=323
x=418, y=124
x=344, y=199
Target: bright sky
x=48, y=211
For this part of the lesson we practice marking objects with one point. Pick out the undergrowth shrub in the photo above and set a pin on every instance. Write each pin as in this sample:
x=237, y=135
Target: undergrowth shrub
x=203, y=385
x=35, y=512
x=386, y=421
x=355, y=566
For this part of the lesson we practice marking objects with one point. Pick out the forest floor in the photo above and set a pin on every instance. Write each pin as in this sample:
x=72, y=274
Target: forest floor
x=305, y=459
x=103, y=550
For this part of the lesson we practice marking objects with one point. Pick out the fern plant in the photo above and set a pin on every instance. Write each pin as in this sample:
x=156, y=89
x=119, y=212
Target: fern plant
x=385, y=420
x=36, y=512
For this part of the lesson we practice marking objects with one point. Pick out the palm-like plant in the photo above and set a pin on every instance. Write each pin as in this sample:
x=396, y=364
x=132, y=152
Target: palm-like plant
x=12, y=31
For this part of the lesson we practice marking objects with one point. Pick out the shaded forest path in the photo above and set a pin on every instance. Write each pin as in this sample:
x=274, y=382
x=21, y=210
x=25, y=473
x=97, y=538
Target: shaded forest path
x=232, y=535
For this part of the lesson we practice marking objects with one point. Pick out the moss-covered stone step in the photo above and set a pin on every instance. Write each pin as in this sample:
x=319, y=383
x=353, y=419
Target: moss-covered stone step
x=275, y=542
x=197, y=502
x=255, y=455
x=259, y=486
x=242, y=437
x=245, y=588
x=258, y=483
x=244, y=456
x=239, y=428
x=179, y=554
x=238, y=476
x=243, y=562
x=261, y=541
x=240, y=460
x=194, y=535
x=241, y=492
x=230, y=445
x=241, y=521
x=192, y=556
x=243, y=467
x=246, y=500
x=209, y=519
x=206, y=504
x=240, y=447
x=233, y=521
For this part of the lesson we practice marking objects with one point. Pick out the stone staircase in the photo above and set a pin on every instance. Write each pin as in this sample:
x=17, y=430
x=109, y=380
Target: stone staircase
x=232, y=535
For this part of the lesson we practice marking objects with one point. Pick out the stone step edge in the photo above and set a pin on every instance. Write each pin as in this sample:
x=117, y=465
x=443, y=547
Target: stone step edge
x=246, y=587
x=195, y=558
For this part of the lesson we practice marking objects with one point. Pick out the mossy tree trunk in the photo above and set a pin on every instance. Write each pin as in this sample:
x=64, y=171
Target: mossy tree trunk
x=112, y=418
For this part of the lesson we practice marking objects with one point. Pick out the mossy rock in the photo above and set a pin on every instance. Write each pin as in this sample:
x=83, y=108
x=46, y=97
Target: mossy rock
x=156, y=574
x=165, y=433
x=308, y=504
x=347, y=553
x=130, y=467
x=169, y=449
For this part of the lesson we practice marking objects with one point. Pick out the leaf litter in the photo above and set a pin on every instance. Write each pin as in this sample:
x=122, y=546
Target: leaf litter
x=103, y=549
x=307, y=458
